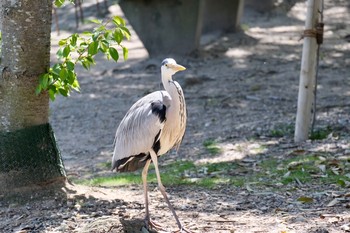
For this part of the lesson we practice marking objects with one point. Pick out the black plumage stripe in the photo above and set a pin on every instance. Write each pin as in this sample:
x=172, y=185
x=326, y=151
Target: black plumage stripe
x=156, y=144
x=135, y=162
x=159, y=109
x=131, y=163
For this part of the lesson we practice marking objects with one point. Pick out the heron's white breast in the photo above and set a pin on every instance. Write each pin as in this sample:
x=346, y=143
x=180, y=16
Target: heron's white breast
x=175, y=123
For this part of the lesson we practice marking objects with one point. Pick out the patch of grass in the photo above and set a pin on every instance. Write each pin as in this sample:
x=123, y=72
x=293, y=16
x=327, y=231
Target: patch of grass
x=299, y=170
x=121, y=179
x=212, y=182
x=212, y=102
x=256, y=87
x=245, y=27
x=320, y=134
x=297, y=176
x=237, y=181
x=296, y=169
x=107, y=165
x=303, y=169
x=307, y=169
x=170, y=174
x=282, y=130
x=177, y=173
x=179, y=166
x=224, y=166
x=269, y=165
x=212, y=147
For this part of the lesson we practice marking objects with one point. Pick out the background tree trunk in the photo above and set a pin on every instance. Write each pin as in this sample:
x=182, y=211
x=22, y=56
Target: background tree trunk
x=28, y=154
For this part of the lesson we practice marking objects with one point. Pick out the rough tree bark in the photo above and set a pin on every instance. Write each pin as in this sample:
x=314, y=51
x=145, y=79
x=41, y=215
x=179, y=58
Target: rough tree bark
x=28, y=154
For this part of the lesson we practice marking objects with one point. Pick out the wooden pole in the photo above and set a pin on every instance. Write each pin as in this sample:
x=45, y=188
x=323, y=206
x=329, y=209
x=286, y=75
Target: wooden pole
x=307, y=74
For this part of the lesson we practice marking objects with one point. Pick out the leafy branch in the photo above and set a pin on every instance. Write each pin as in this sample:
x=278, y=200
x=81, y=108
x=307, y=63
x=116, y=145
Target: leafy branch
x=81, y=49
x=60, y=3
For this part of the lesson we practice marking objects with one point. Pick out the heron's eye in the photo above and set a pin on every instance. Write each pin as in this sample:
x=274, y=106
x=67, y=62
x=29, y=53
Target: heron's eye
x=166, y=65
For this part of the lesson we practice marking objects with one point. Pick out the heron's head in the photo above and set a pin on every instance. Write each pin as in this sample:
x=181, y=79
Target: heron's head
x=170, y=67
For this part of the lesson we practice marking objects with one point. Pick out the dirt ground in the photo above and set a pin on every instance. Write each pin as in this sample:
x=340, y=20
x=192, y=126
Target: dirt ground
x=238, y=88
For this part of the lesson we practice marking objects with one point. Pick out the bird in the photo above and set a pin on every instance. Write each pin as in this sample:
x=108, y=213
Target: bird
x=153, y=125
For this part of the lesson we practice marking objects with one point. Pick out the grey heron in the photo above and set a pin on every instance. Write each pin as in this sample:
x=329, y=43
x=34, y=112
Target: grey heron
x=155, y=124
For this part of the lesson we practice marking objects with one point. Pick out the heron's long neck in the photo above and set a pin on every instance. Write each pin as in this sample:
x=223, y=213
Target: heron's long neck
x=171, y=87
x=177, y=98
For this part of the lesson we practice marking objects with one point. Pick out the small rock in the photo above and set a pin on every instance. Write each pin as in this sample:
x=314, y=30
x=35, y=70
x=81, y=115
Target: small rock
x=319, y=230
x=297, y=219
x=345, y=227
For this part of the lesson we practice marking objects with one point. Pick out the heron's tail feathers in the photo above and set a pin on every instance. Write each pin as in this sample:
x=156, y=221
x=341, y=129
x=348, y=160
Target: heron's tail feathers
x=131, y=163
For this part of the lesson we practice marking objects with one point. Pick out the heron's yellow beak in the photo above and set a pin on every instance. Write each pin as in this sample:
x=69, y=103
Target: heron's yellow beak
x=177, y=67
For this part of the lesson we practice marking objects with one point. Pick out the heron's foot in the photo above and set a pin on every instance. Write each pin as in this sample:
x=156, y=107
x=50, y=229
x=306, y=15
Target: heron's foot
x=183, y=230
x=154, y=225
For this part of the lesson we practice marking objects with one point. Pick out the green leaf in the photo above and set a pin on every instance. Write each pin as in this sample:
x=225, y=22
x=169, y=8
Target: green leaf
x=101, y=28
x=70, y=65
x=59, y=3
x=86, y=33
x=38, y=89
x=305, y=199
x=81, y=50
x=114, y=53
x=63, y=74
x=59, y=53
x=73, y=41
x=62, y=42
x=56, y=69
x=107, y=34
x=63, y=92
x=66, y=51
x=95, y=36
x=126, y=32
x=103, y=46
x=92, y=49
x=83, y=44
x=341, y=182
x=43, y=80
x=96, y=21
x=90, y=59
x=125, y=53
x=86, y=64
x=75, y=85
x=119, y=21
x=118, y=35
x=71, y=77
x=52, y=94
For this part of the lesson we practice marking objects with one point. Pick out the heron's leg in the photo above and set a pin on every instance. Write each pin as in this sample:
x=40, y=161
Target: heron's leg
x=148, y=220
x=162, y=189
x=145, y=193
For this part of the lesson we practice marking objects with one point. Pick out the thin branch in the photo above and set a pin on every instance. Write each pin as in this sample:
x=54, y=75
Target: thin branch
x=317, y=66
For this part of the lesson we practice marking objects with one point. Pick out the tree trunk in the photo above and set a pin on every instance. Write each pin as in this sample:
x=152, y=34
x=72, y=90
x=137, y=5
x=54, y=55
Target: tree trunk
x=307, y=75
x=28, y=154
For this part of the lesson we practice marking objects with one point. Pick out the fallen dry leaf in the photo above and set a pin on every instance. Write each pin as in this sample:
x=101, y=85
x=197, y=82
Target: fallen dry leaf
x=305, y=199
x=333, y=202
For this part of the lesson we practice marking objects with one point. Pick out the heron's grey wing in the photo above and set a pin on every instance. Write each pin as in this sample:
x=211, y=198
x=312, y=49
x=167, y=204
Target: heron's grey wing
x=139, y=132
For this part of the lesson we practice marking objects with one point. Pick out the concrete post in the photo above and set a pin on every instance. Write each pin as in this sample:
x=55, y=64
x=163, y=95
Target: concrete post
x=166, y=27
x=261, y=6
x=222, y=15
